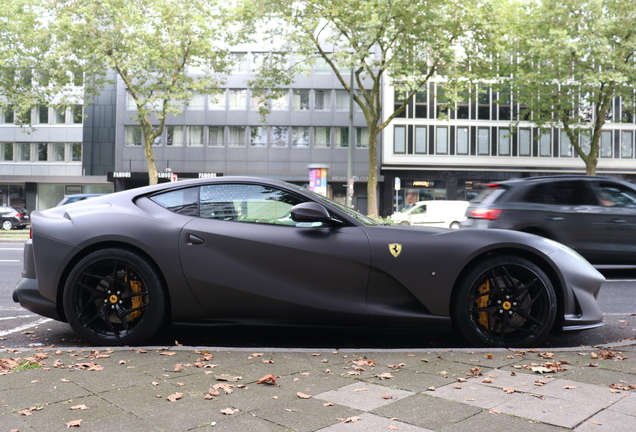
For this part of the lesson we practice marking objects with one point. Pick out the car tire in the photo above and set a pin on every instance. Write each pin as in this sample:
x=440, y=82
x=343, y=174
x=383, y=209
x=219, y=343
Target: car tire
x=504, y=301
x=115, y=297
x=455, y=225
x=7, y=225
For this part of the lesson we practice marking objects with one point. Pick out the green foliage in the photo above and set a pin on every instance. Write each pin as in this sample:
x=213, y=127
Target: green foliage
x=405, y=42
x=567, y=60
x=27, y=364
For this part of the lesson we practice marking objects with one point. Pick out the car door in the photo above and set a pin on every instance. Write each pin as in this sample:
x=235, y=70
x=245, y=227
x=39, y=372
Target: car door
x=614, y=223
x=567, y=215
x=244, y=258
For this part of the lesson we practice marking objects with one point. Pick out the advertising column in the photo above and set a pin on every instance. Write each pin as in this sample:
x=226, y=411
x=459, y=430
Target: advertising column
x=318, y=179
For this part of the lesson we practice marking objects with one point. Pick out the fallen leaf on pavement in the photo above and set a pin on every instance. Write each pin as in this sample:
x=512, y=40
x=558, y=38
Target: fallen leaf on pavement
x=267, y=379
x=175, y=397
x=79, y=407
x=228, y=411
x=74, y=423
x=303, y=395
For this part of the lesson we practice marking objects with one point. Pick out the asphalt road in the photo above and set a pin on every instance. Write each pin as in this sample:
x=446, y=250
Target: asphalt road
x=20, y=328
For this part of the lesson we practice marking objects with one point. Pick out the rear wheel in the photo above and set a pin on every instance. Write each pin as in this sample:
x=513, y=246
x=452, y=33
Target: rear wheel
x=505, y=301
x=7, y=225
x=115, y=297
x=455, y=225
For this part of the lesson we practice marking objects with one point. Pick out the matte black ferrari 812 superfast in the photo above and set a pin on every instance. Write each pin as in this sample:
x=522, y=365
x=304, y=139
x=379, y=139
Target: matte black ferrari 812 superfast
x=254, y=251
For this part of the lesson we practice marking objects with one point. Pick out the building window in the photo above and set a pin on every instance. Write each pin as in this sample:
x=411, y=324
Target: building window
x=41, y=152
x=606, y=144
x=280, y=136
x=216, y=136
x=362, y=137
x=399, y=139
x=42, y=115
x=321, y=66
x=300, y=136
x=258, y=59
x=197, y=103
x=566, y=145
x=301, y=100
x=258, y=136
x=59, y=115
x=504, y=105
x=195, y=136
x=238, y=99
x=504, y=142
x=483, y=104
x=399, y=96
x=77, y=113
x=463, y=106
x=239, y=62
x=7, y=115
x=322, y=100
x=524, y=142
x=322, y=137
x=483, y=141
x=257, y=101
x=545, y=143
x=441, y=140
x=342, y=137
x=627, y=110
x=462, y=140
x=58, y=152
x=342, y=100
x=421, y=103
x=236, y=137
x=217, y=100
x=6, y=151
x=585, y=143
x=76, y=152
x=421, y=144
x=627, y=144
x=441, y=104
x=133, y=136
x=174, y=136
x=281, y=103
x=131, y=104
x=24, y=152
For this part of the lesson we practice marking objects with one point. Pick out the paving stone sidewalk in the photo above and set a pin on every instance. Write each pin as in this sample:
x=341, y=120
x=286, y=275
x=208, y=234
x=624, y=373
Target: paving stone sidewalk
x=217, y=389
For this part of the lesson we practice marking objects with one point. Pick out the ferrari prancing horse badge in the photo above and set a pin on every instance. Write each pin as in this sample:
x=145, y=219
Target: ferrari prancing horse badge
x=395, y=249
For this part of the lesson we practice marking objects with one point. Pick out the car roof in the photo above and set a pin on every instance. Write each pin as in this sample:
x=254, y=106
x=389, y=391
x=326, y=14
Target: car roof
x=549, y=178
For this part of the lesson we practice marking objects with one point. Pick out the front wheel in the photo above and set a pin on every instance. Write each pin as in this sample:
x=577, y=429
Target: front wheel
x=7, y=225
x=505, y=301
x=115, y=297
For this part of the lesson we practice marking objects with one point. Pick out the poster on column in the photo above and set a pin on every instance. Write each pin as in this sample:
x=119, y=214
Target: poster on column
x=318, y=180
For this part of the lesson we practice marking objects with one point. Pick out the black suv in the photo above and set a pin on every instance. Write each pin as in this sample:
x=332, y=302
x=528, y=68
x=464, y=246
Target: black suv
x=14, y=217
x=596, y=216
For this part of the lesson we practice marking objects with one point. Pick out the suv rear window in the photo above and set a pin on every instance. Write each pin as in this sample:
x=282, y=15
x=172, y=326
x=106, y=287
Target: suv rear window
x=489, y=195
x=560, y=193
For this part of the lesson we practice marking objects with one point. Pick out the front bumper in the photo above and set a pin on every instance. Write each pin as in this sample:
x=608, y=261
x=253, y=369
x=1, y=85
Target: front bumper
x=28, y=295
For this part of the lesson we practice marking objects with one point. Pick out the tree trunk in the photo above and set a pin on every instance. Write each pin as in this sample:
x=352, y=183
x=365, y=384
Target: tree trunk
x=372, y=182
x=150, y=160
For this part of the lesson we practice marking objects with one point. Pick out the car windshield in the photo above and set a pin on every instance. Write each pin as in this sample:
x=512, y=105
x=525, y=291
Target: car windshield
x=354, y=214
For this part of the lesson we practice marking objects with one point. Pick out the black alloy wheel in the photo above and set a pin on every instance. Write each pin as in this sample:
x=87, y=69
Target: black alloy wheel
x=505, y=301
x=115, y=297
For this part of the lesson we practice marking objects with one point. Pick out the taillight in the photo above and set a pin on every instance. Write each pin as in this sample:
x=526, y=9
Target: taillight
x=488, y=214
x=31, y=232
x=18, y=215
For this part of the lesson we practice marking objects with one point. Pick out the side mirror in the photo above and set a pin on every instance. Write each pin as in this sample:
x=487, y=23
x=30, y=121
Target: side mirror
x=310, y=212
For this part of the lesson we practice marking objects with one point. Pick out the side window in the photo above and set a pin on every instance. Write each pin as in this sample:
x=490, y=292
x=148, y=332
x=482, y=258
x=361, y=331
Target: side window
x=248, y=203
x=571, y=193
x=182, y=201
x=537, y=194
x=611, y=194
x=419, y=210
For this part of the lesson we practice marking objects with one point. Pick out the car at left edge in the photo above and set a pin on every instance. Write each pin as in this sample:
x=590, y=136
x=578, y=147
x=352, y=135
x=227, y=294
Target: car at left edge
x=242, y=250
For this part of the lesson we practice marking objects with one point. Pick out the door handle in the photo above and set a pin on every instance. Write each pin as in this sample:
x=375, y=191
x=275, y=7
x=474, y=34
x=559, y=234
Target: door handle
x=195, y=240
x=556, y=218
x=619, y=220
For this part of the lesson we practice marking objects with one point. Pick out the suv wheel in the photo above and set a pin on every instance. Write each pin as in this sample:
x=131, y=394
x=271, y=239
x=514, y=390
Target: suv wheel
x=7, y=225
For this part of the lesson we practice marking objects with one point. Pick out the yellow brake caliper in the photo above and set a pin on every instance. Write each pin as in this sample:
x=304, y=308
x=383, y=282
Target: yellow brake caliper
x=482, y=302
x=135, y=286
